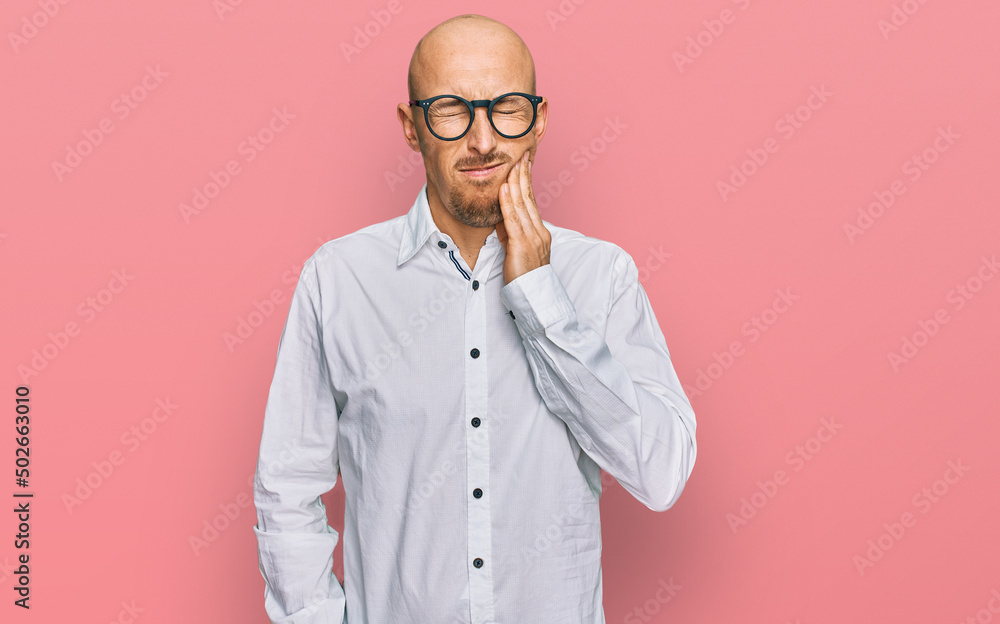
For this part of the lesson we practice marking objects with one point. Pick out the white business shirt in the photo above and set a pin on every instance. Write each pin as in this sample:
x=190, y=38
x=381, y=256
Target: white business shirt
x=469, y=420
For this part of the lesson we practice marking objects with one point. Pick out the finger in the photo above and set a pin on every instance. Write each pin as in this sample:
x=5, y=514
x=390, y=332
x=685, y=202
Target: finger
x=514, y=220
x=528, y=195
x=521, y=197
x=506, y=203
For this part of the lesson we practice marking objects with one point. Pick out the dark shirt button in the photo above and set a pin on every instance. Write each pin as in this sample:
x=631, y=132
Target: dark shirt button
x=477, y=493
x=511, y=313
x=442, y=244
x=474, y=353
x=475, y=284
x=477, y=562
x=475, y=422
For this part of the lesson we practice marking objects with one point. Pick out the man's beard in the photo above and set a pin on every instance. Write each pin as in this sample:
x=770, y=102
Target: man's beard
x=474, y=208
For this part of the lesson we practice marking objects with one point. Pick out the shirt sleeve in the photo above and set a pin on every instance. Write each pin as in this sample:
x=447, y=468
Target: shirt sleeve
x=297, y=463
x=618, y=394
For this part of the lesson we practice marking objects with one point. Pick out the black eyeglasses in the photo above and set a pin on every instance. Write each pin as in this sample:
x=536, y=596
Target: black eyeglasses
x=449, y=117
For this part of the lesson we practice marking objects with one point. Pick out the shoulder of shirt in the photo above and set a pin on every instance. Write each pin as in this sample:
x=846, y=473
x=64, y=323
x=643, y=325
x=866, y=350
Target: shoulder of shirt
x=574, y=251
x=382, y=236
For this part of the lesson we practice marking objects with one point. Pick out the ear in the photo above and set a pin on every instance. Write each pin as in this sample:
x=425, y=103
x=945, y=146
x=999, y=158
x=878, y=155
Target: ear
x=411, y=134
x=541, y=120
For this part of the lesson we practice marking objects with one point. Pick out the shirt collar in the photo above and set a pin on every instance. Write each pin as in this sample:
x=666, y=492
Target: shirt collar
x=420, y=227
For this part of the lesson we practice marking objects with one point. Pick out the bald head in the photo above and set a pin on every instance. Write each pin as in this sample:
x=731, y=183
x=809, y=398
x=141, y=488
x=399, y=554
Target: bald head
x=458, y=52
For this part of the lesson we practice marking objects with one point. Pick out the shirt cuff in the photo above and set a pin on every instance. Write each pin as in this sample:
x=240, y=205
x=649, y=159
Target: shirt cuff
x=537, y=299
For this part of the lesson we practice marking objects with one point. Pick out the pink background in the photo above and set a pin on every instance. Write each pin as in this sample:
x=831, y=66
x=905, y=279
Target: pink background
x=801, y=550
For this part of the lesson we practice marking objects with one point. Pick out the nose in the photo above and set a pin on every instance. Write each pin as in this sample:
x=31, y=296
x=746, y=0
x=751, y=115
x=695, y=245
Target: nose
x=480, y=135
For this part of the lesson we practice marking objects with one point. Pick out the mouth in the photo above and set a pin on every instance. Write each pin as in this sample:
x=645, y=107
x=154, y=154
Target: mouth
x=483, y=172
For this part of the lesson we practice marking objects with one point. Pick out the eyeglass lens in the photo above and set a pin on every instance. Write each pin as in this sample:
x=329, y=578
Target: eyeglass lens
x=449, y=117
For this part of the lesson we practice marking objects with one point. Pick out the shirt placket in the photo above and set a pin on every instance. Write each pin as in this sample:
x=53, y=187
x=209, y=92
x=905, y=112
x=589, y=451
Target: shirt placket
x=477, y=426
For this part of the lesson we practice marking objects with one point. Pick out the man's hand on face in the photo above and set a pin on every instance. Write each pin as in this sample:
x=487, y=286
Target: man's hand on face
x=524, y=238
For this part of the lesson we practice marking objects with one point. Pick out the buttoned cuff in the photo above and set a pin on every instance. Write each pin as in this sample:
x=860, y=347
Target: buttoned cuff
x=537, y=299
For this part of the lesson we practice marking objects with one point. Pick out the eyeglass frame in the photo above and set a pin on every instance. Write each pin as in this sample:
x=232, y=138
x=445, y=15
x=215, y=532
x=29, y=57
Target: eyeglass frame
x=473, y=105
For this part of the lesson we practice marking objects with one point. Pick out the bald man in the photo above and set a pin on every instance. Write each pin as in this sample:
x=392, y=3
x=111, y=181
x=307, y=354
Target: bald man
x=468, y=369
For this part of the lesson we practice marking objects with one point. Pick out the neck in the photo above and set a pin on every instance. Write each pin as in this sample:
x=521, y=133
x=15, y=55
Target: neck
x=469, y=239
